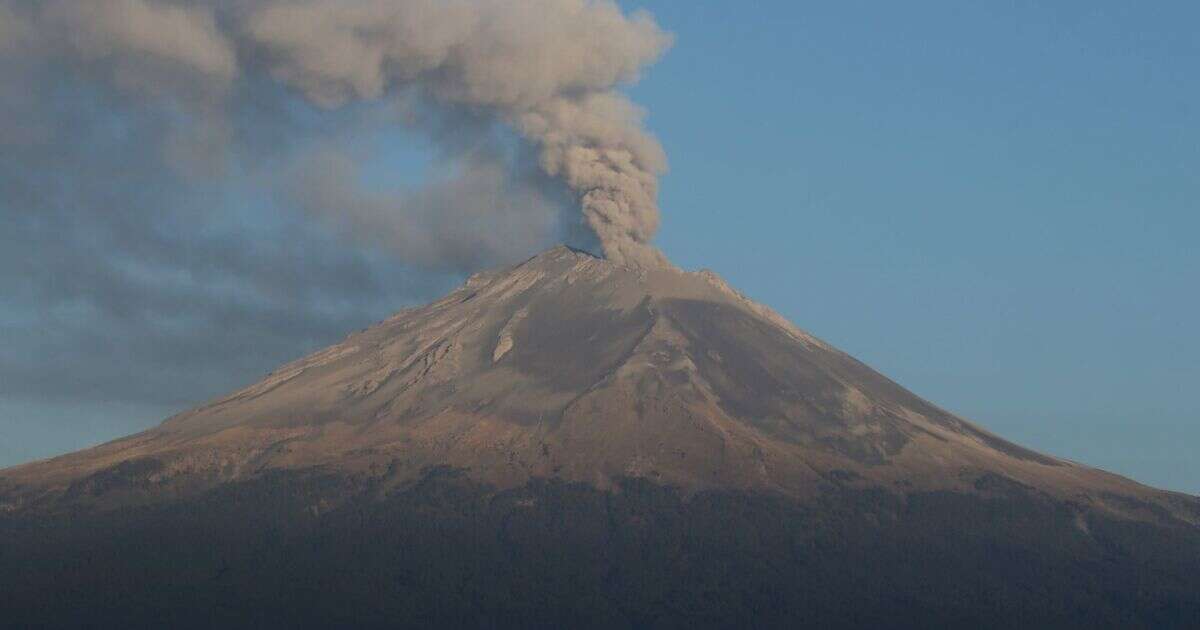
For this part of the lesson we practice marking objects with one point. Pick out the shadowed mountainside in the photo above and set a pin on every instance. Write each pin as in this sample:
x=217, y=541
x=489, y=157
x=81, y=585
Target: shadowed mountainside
x=298, y=550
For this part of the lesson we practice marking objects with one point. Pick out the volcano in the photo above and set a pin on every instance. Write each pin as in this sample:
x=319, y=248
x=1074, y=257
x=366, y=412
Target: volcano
x=573, y=442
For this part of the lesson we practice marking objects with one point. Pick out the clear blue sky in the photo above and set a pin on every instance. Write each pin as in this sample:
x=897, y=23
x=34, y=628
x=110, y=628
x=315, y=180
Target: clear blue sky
x=997, y=204
x=993, y=203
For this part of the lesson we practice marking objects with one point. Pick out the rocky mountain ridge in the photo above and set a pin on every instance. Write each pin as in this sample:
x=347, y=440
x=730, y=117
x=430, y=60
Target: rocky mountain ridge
x=569, y=366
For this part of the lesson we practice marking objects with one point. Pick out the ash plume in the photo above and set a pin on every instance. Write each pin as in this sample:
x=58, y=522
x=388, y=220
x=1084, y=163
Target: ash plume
x=548, y=70
x=241, y=156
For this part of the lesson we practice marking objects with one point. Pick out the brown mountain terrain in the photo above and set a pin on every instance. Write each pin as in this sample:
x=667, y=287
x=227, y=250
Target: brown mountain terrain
x=662, y=403
x=573, y=367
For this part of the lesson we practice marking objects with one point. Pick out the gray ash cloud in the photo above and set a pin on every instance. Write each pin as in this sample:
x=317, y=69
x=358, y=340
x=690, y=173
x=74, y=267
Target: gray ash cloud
x=184, y=204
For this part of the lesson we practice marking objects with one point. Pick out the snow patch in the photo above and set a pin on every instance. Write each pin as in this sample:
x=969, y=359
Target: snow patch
x=505, y=342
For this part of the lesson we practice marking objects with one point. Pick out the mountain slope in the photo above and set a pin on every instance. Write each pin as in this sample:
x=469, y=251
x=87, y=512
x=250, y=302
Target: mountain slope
x=575, y=443
x=573, y=367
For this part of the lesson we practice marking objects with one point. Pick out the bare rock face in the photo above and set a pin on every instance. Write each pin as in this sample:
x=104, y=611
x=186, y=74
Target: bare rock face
x=570, y=366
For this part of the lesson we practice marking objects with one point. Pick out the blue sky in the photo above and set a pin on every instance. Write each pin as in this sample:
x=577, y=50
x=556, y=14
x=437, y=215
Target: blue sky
x=995, y=204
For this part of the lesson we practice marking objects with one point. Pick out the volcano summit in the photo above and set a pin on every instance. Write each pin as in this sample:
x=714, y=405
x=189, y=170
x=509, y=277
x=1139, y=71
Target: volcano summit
x=575, y=442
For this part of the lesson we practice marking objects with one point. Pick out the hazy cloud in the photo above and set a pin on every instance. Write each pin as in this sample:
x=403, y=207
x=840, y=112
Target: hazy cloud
x=186, y=198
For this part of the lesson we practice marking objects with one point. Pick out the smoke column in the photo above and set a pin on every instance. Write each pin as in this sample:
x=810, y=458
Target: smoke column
x=548, y=70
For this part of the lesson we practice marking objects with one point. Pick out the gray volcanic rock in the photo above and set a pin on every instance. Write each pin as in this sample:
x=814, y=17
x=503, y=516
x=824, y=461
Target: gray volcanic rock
x=570, y=366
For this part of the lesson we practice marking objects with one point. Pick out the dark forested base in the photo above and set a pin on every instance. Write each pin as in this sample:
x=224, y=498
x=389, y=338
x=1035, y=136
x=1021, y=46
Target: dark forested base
x=291, y=550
